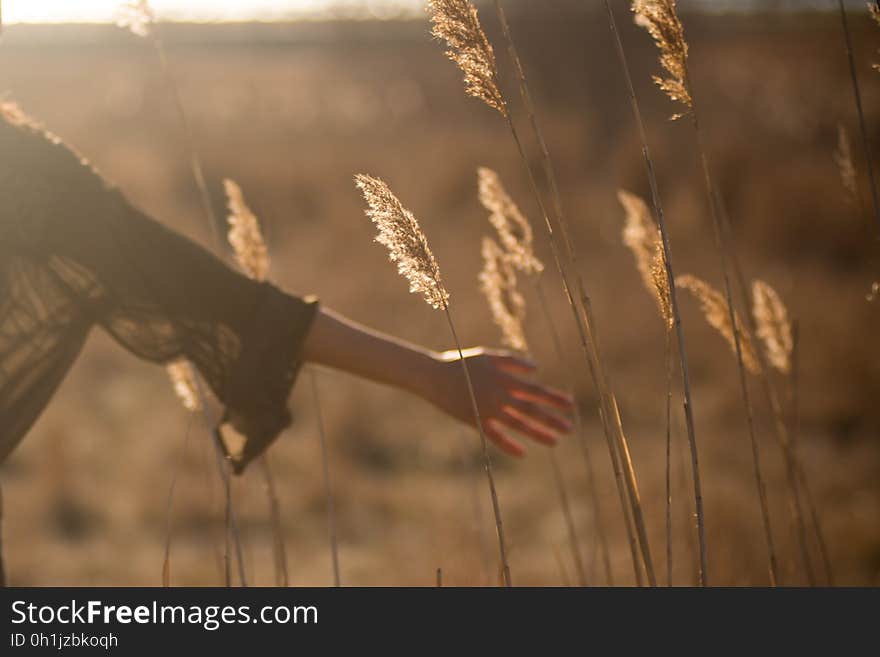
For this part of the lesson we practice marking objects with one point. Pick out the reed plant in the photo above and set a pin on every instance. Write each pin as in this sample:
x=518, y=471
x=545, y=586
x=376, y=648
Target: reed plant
x=660, y=18
x=516, y=236
x=857, y=100
x=138, y=17
x=673, y=314
x=457, y=23
x=407, y=244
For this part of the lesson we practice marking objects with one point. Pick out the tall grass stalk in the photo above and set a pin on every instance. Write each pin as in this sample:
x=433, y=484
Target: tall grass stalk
x=560, y=564
x=582, y=313
x=794, y=383
x=408, y=247
x=667, y=358
x=796, y=478
x=574, y=544
x=478, y=515
x=328, y=487
x=457, y=23
x=279, y=551
x=857, y=98
x=598, y=520
x=487, y=460
x=514, y=251
x=673, y=302
x=661, y=20
x=145, y=25
x=166, y=561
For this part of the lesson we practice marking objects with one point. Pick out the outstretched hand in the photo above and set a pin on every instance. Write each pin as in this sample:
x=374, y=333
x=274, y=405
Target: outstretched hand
x=508, y=398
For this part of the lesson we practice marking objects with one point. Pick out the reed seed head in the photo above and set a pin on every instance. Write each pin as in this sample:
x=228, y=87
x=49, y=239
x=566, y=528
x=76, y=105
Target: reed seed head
x=874, y=294
x=641, y=236
x=844, y=161
x=407, y=245
x=773, y=325
x=514, y=230
x=660, y=279
x=660, y=19
x=183, y=378
x=507, y=305
x=717, y=314
x=136, y=16
x=457, y=23
x=245, y=236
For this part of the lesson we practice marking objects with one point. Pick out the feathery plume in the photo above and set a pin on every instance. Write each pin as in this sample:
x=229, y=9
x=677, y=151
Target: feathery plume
x=457, y=23
x=660, y=279
x=407, y=245
x=183, y=378
x=136, y=16
x=498, y=284
x=639, y=232
x=773, y=327
x=844, y=161
x=660, y=19
x=514, y=230
x=874, y=294
x=244, y=235
x=717, y=313
x=642, y=238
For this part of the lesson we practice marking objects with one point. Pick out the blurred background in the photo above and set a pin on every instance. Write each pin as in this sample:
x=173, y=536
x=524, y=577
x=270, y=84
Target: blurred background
x=292, y=107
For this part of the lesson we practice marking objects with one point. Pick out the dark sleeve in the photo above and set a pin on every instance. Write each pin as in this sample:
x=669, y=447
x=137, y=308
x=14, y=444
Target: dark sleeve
x=88, y=257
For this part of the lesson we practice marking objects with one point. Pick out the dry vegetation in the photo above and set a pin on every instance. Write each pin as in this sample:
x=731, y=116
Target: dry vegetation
x=292, y=112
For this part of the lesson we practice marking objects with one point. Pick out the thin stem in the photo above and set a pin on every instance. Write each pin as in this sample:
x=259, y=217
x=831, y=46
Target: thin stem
x=857, y=97
x=743, y=381
x=477, y=510
x=487, y=460
x=232, y=533
x=569, y=520
x=580, y=431
x=195, y=160
x=328, y=489
x=166, y=562
x=673, y=292
x=279, y=551
x=795, y=435
x=635, y=498
x=793, y=468
x=210, y=215
x=582, y=317
x=563, y=572
x=667, y=357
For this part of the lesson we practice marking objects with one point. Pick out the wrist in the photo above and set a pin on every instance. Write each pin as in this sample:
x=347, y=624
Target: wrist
x=420, y=375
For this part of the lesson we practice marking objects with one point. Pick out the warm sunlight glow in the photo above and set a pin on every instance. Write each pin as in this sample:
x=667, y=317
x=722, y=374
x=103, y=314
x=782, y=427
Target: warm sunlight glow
x=88, y=11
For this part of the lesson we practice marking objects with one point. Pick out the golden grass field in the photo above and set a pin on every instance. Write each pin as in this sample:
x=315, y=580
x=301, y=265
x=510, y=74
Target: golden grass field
x=292, y=112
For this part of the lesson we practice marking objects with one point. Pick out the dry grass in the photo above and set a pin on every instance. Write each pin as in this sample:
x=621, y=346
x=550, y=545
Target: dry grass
x=507, y=305
x=408, y=248
x=290, y=123
x=773, y=325
x=717, y=313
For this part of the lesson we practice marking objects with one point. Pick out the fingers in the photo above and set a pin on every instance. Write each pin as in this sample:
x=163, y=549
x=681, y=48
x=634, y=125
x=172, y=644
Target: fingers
x=539, y=413
x=504, y=442
x=520, y=423
x=536, y=392
x=514, y=364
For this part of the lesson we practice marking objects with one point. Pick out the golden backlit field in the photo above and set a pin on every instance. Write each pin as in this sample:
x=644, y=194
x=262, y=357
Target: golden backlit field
x=292, y=112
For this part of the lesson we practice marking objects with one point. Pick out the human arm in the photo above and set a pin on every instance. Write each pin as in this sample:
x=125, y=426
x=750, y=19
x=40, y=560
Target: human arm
x=508, y=399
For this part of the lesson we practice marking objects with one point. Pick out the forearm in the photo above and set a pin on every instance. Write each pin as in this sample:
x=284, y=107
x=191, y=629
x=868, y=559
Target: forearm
x=338, y=342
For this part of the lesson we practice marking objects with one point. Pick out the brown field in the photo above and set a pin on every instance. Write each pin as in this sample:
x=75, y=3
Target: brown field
x=292, y=112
